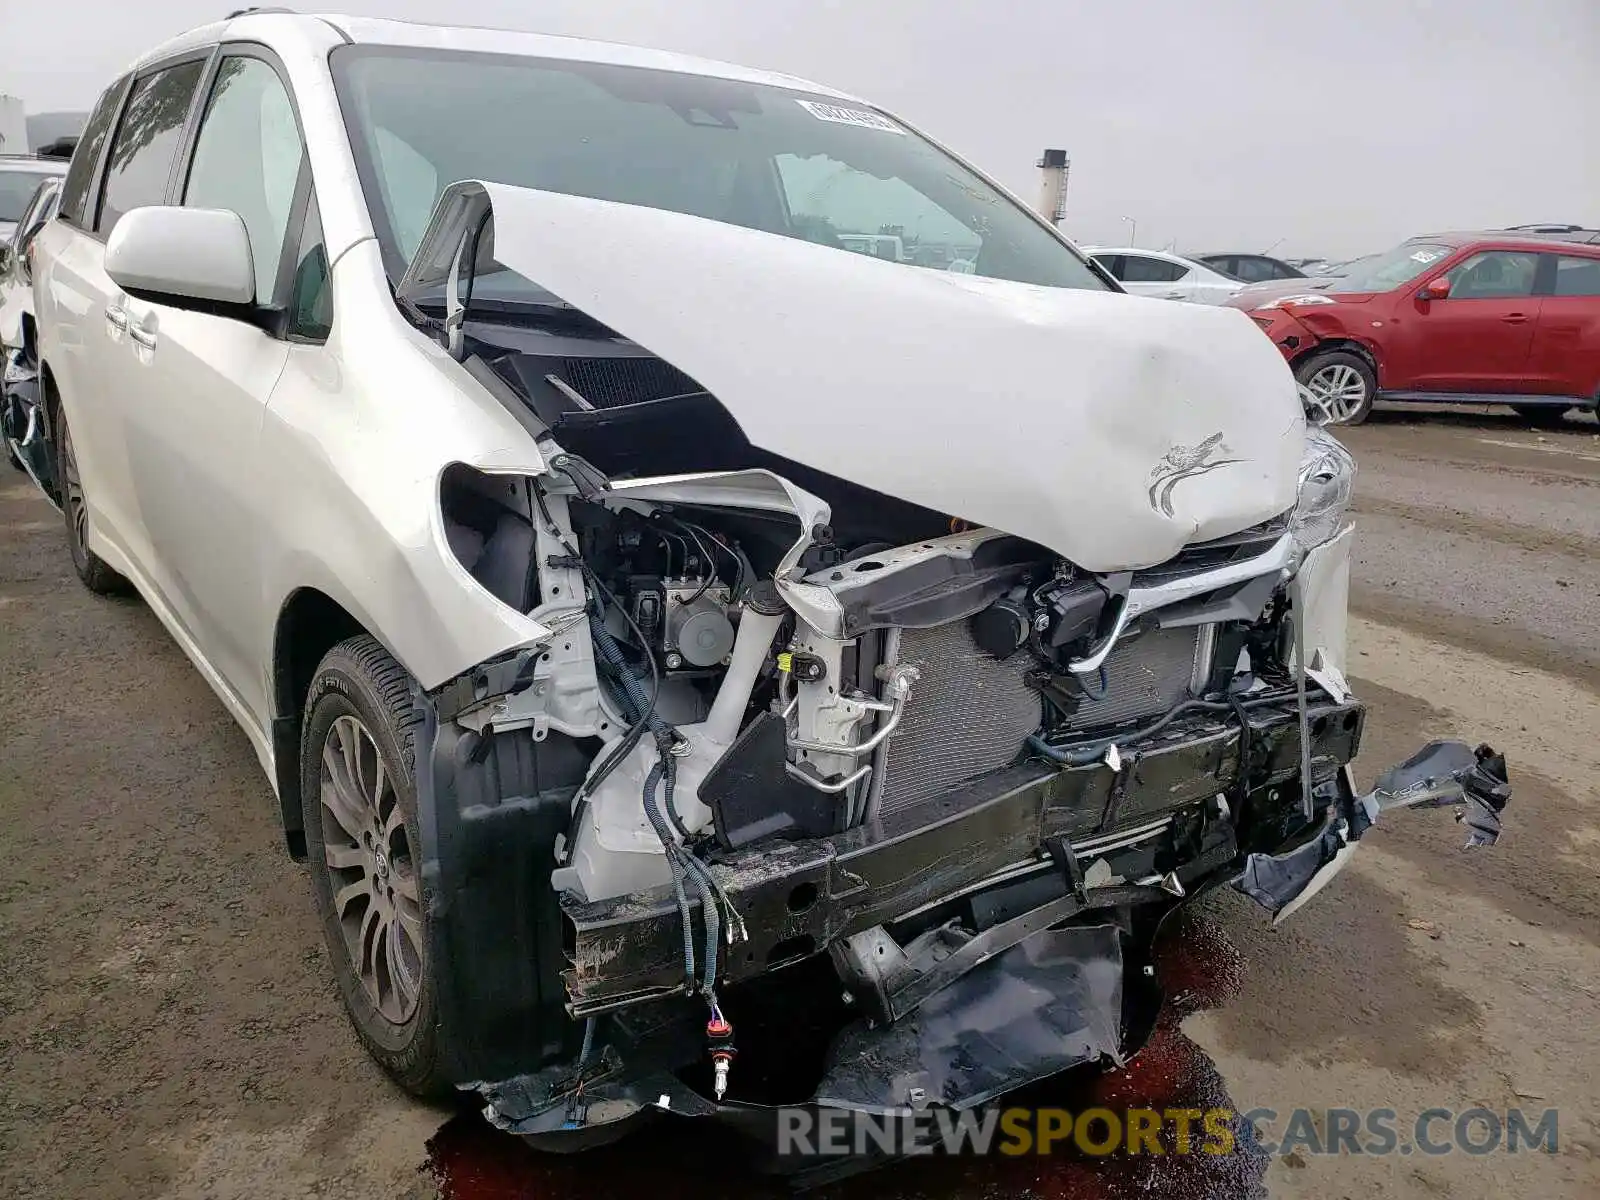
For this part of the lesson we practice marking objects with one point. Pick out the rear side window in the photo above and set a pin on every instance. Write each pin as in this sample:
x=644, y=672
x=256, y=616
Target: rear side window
x=1255, y=270
x=1152, y=270
x=80, y=175
x=147, y=140
x=1577, y=276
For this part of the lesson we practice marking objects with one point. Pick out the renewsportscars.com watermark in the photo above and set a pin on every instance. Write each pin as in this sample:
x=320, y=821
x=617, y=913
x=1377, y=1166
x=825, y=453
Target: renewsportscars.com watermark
x=1180, y=1131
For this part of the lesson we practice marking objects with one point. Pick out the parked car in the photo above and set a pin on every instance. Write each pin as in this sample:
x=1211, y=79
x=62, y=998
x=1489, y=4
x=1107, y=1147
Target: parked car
x=651, y=614
x=20, y=426
x=20, y=175
x=1449, y=318
x=1253, y=294
x=1250, y=268
x=1163, y=275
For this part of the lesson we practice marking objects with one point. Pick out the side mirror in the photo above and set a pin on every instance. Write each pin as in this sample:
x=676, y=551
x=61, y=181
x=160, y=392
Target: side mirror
x=183, y=256
x=1435, y=289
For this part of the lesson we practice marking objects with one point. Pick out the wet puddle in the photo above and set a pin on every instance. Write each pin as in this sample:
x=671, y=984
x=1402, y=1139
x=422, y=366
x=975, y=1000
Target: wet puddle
x=685, y=1160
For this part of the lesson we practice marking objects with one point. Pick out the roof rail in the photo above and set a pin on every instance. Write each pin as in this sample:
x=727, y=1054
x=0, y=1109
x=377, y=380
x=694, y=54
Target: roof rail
x=245, y=12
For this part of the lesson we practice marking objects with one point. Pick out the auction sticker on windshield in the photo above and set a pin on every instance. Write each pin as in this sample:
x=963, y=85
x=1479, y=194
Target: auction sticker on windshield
x=858, y=117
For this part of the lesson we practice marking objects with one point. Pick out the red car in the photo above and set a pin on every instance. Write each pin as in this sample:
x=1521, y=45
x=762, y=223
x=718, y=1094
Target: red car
x=1456, y=318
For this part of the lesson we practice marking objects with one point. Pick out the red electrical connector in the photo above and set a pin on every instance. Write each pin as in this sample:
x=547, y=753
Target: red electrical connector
x=719, y=1037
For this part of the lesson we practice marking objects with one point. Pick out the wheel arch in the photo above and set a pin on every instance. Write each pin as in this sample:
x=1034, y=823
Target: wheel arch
x=1349, y=345
x=310, y=623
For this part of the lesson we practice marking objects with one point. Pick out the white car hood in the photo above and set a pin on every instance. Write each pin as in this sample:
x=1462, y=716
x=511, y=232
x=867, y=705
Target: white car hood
x=1109, y=428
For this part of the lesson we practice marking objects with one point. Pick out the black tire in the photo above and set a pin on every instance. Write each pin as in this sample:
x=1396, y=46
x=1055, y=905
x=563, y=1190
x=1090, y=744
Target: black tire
x=91, y=568
x=358, y=679
x=1338, y=362
x=1546, y=416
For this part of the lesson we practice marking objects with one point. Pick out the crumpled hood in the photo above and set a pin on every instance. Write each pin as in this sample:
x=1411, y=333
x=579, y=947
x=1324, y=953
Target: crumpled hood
x=1109, y=428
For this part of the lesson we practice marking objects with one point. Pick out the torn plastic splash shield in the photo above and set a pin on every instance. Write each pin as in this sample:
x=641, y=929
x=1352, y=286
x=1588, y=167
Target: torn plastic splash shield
x=1441, y=774
x=1051, y=1002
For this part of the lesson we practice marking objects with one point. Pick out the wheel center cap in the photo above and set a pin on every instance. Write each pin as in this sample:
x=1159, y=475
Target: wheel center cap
x=380, y=864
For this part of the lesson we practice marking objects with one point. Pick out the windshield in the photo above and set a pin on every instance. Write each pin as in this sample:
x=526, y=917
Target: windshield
x=762, y=157
x=16, y=189
x=1399, y=266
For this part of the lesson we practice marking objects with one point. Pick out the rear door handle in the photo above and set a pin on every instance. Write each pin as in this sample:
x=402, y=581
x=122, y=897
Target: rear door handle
x=145, y=337
x=1515, y=319
x=117, y=317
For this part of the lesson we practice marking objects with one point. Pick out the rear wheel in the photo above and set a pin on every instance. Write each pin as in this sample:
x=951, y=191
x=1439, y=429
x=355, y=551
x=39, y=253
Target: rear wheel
x=91, y=568
x=359, y=803
x=1342, y=382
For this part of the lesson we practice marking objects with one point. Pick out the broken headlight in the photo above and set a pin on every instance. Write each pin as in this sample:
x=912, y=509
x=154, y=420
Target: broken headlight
x=1327, y=478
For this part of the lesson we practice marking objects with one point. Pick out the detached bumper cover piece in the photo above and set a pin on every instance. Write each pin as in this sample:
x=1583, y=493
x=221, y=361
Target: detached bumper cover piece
x=1441, y=774
x=1051, y=1002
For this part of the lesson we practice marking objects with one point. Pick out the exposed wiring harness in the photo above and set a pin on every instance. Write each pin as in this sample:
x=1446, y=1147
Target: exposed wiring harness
x=688, y=872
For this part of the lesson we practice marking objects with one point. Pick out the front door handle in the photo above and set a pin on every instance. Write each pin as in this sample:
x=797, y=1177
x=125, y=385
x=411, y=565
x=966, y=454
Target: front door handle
x=117, y=317
x=1515, y=319
x=145, y=337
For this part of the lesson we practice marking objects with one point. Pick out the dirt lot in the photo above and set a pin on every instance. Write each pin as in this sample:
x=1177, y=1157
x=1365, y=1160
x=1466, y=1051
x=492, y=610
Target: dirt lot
x=168, y=1029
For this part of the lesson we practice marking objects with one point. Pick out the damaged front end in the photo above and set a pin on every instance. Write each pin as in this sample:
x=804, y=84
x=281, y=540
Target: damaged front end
x=812, y=774
x=22, y=421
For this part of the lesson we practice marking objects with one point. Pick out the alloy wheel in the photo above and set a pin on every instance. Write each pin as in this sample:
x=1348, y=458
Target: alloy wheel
x=1340, y=389
x=372, y=869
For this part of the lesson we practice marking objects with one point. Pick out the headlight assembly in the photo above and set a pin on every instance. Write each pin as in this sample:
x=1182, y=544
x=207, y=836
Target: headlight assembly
x=1327, y=479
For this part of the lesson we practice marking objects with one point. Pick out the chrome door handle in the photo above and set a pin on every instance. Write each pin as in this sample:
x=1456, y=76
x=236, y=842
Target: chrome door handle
x=117, y=317
x=145, y=337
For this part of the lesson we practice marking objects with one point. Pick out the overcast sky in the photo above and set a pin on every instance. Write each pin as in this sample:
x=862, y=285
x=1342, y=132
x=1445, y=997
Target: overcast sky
x=1330, y=128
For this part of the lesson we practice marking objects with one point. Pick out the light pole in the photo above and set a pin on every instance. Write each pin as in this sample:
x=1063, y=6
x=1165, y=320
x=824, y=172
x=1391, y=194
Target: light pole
x=1133, y=230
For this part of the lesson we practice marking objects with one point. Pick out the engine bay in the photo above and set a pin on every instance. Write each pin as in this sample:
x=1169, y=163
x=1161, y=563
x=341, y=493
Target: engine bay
x=751, y=675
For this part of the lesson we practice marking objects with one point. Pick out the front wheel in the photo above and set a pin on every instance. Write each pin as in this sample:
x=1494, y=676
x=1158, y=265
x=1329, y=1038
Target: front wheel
x=1342, y=382
x=359, y=803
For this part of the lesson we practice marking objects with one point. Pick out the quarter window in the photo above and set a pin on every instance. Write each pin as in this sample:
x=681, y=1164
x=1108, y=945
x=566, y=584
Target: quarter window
x=1577, y=276
x=310, y=296
x=147, y=142
x=248, y=158
x=85, y=156
x=1492, y=274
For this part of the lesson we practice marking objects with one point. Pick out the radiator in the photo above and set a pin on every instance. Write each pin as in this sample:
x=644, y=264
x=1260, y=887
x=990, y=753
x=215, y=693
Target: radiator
x=970, y=714
x=1146, y=675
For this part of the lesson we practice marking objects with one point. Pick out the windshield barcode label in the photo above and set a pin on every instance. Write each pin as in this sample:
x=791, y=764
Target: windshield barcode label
x=860, y=118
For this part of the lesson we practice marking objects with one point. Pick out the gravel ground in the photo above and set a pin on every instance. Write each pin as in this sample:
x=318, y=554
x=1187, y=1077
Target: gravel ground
x=168, y=1027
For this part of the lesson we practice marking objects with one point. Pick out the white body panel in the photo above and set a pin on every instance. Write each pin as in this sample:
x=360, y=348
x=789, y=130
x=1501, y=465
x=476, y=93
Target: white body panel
x=1039, y=411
